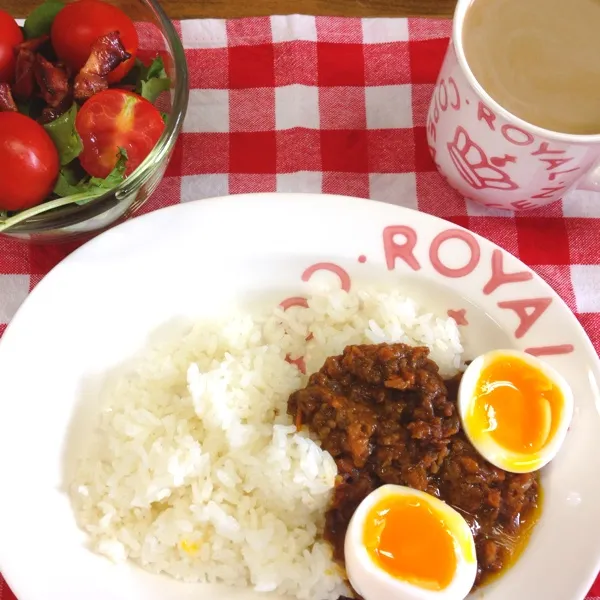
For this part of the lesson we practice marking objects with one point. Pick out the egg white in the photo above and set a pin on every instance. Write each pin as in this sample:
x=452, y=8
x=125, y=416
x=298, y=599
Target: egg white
x=373, y=583
x=514, y=462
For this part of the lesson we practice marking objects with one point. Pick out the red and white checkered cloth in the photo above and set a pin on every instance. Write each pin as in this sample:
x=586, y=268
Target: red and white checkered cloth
x=334, y=105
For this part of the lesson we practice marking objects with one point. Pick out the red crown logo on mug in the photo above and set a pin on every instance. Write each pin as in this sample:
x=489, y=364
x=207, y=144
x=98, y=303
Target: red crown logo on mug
x=473, y=165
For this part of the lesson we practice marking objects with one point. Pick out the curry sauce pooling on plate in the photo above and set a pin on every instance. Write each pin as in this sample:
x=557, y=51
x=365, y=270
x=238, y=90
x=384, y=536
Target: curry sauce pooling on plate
x=386, y=415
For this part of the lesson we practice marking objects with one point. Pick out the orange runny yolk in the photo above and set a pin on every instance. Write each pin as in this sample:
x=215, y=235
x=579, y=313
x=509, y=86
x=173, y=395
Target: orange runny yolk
x=409, y=540
x=516, y=404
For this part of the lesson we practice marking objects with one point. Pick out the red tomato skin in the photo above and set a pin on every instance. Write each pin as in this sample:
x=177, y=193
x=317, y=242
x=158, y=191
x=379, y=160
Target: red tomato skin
x=80, y=24
x=10, y=36
x=29, y=162
x=116, y=119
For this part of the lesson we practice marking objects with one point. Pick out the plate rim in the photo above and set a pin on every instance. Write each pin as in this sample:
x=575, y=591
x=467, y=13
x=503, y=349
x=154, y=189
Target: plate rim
x=272, y=196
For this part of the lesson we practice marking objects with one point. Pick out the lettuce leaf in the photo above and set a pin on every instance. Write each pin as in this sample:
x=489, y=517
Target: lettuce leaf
x=153, y=80
x=39, y=22
x=68, y=184
x=64, y=135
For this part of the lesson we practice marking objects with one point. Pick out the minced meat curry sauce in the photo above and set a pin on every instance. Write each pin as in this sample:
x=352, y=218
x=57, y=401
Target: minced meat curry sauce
x=386, y=416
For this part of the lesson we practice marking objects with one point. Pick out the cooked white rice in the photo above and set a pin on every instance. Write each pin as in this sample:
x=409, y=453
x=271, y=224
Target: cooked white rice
x=197, y=471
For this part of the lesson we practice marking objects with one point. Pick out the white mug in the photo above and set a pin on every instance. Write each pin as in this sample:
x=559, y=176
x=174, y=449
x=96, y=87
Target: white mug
x=493, y=157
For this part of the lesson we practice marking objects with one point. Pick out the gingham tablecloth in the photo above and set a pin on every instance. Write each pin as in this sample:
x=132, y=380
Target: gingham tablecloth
x=334, y=105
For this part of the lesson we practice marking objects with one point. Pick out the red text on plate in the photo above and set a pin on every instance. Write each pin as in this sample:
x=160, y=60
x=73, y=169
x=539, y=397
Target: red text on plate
x=527, y=310
x=333, y=268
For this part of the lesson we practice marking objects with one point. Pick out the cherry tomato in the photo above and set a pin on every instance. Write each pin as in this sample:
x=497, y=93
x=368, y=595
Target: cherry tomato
x=10, y=36
x=116, y=119
x=78, y=25
x=28, y=162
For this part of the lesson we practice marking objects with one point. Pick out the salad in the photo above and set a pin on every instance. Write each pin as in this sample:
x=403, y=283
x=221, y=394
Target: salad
x=77, y=113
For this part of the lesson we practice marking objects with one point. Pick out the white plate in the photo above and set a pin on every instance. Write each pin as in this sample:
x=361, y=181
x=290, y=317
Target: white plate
x=100, y=305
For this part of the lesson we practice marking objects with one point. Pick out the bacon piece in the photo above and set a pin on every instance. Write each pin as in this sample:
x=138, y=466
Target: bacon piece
x=49, y=113
x=53, y=82
x=24, y=78
x=24, y=67
x=7, y=103
x=107, y=54
x=33, y=44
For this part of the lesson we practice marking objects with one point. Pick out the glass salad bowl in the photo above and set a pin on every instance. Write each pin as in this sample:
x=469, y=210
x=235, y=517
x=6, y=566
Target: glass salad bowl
x=157, y=37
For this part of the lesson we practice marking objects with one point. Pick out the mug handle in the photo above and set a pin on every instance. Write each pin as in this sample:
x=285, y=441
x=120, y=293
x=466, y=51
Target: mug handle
x=591, y=180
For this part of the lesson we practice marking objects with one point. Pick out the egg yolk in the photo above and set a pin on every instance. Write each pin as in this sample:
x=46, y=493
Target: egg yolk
x=516, y=404
x=409, y=540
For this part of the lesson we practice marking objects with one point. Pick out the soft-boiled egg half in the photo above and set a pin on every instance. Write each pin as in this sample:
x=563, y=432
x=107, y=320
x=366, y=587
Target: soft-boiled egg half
x=403, y=544
x=515, y=409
